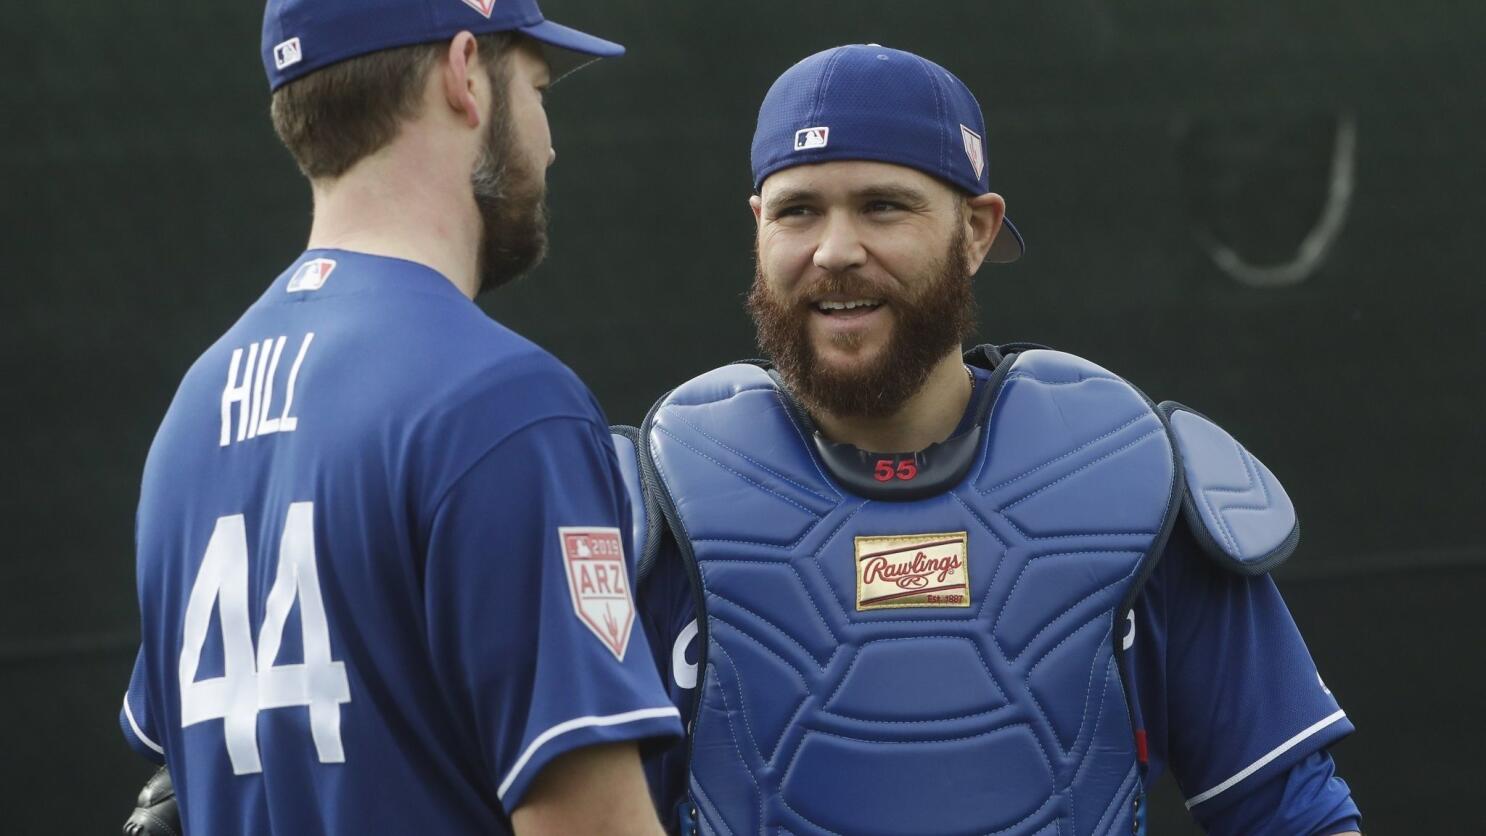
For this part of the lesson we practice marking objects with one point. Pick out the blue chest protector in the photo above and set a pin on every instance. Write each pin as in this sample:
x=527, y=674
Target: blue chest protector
x=947, y=663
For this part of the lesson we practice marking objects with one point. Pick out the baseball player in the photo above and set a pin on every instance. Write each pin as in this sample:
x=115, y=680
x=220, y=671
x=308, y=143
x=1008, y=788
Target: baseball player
x=900, y=589
x=383, y=541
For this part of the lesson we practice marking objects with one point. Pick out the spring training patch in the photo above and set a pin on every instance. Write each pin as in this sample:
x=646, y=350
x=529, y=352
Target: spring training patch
x=600, y=584
x=913, y=570
x=975, y=149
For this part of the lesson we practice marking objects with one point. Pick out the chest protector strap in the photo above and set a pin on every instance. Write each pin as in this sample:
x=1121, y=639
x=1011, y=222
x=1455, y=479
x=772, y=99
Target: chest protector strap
x=943, y=663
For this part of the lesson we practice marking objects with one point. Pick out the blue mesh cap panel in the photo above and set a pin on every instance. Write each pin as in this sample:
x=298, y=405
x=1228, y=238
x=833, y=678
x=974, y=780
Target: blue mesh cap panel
x=869, y=102
x=877, y=104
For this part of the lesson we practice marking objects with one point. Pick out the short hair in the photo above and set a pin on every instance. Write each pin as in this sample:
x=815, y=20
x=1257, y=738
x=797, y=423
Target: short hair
x=333, y=118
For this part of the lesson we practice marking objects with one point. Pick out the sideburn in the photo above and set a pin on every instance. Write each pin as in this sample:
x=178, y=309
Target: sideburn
x=512, y=203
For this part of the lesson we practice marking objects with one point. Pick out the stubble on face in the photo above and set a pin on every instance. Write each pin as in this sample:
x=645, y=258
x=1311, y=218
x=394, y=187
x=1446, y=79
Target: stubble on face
x=926, y=326
x=512, y=201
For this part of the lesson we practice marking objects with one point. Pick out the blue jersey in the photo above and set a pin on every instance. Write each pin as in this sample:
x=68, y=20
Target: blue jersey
x=382, y=566
x=1224, y=693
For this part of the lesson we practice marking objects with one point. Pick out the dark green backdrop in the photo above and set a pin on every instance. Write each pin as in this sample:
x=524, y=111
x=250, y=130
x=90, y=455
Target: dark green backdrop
x=144, y=202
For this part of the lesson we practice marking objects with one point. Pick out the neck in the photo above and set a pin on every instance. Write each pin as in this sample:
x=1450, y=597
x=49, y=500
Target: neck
x=926, y=418
x=389, y=205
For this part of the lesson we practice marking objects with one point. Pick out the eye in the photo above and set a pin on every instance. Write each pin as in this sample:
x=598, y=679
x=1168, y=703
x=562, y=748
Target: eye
x=878, y=206
x=795, y=211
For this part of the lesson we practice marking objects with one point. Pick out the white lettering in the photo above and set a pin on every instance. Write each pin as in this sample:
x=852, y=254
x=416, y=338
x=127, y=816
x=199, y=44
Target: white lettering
x=253, y=395
x=257, y=412
x=249, y=685
x=234, y=394
x=684, y=672
x=267, y=425
x=288, y=423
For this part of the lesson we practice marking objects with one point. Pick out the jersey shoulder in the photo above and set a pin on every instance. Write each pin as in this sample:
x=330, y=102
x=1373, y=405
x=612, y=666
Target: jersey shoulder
x=389, y=343
x=383, y=366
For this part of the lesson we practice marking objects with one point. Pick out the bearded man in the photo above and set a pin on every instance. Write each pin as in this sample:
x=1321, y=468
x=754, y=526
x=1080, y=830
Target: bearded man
x=381, y=538
x=898, y=589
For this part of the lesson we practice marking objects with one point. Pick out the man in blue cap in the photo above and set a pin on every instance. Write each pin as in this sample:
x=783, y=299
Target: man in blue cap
x=898, y=588
x=383, y=572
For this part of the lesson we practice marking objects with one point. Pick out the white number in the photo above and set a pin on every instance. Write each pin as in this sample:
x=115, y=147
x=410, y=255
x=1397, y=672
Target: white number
x=247, y=687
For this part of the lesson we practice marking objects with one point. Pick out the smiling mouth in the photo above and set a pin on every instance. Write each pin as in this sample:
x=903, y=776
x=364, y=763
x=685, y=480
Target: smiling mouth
x=852, y=307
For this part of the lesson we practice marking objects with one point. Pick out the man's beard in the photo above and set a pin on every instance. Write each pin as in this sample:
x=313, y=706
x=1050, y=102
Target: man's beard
x=513, y=209
x=924, y=329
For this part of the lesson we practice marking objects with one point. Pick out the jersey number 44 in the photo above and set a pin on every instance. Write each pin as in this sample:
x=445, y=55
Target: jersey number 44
x=251, y=682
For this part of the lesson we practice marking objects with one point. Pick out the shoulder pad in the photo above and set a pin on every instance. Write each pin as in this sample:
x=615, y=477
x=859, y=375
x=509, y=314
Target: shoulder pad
x=645, y=519
x=1234, y=505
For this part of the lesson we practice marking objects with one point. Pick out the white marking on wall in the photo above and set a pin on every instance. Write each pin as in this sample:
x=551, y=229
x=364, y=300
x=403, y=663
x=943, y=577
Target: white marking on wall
x=1317, y=243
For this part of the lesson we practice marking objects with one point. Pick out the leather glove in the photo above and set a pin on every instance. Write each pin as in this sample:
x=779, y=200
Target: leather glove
x=155, y=811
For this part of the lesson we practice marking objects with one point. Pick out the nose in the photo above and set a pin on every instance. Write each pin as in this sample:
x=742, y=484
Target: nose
x=551, y=156
x=840, y=247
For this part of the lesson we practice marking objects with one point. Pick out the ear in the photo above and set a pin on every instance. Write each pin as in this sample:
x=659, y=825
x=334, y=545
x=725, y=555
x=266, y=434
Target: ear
x=756, y=203
x=458, y=74
x=982, y=225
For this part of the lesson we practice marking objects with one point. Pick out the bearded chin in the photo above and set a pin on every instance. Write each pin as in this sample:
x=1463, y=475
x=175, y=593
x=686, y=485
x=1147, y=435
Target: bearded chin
x=514, y=240
x=924, y=330
x=513, y=214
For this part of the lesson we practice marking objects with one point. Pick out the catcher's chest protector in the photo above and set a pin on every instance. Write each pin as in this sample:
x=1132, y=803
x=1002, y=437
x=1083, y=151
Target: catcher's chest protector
x=934, y=666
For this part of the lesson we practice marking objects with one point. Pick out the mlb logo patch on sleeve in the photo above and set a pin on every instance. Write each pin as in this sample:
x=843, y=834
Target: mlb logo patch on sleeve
x=599, y=583
x=807, y=138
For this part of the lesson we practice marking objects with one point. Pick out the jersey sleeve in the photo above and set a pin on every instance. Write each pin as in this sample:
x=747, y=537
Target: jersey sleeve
x=1227, y=693
x=136, y=720
x=1306, y=799
x=531, y=617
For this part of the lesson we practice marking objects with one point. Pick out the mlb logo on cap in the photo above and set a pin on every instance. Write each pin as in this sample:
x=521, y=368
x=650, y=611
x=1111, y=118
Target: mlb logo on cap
x=885, y=106
x=287, y=54
x=807, y=138
x=302, y=36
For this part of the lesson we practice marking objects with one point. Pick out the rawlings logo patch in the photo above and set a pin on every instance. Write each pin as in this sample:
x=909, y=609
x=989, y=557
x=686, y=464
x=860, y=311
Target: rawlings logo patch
x=600, y=584
x=913, y=570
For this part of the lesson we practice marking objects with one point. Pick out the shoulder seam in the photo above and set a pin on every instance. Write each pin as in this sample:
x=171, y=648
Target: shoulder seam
x=484, y=454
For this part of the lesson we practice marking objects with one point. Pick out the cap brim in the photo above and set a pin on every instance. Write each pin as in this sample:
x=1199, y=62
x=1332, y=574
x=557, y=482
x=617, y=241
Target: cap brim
x=565, y=37
x=1007, y=248
x=567, y=50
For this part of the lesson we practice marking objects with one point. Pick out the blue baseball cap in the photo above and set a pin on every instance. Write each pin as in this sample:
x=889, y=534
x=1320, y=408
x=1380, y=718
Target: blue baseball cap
x=869, y=102
x=301, y=36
